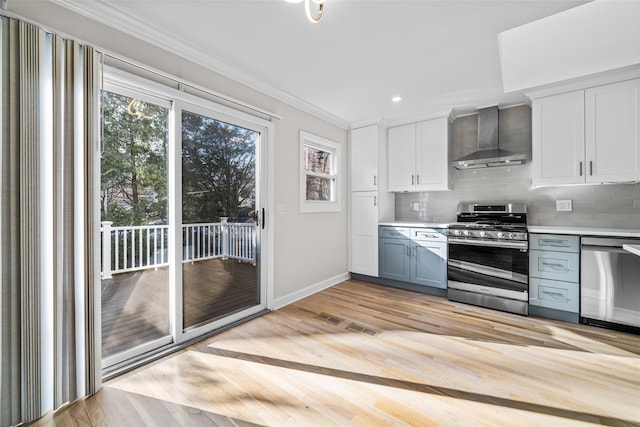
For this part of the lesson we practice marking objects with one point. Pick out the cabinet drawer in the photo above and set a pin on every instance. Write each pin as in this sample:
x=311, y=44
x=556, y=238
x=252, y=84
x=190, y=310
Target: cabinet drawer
x=430, y=234
x=552, y=265
x=554, y=294
x=394, y=232
x=554, y=242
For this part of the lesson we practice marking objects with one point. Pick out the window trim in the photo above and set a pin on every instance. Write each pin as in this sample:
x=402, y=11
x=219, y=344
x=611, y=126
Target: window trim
x=318, y=206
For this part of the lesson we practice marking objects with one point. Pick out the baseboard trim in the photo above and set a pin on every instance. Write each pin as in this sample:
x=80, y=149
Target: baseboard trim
x=309, y=290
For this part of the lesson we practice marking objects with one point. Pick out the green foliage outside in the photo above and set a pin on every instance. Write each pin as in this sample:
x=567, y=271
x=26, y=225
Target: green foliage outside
x=134, y=163
x=218, y=166
x=218, y=170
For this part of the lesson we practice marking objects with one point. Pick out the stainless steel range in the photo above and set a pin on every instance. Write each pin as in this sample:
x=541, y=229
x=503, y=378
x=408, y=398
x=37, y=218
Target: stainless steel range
x=488, y=256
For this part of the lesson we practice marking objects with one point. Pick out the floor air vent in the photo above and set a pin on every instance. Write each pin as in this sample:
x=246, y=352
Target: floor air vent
x=361, y=329
x=329, y=318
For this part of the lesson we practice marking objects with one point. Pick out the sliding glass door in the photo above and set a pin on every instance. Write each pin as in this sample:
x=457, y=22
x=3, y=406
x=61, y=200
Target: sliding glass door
x=181, y=218
x=220, y=270
x=134, y=223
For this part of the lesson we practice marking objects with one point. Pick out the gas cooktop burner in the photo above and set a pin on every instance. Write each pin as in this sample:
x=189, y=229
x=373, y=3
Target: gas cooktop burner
x=491, y=222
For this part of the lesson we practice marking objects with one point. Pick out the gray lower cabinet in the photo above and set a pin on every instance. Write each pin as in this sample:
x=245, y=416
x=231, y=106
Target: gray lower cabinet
x=554, y=276
x=394, y=261
x=414, y=255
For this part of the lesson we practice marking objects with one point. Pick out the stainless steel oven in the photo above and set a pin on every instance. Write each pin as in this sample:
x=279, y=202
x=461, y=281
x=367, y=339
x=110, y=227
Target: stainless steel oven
x=488, y=257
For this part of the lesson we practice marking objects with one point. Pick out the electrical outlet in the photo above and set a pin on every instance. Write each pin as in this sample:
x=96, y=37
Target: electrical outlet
x=416, y=206
x=564, y=206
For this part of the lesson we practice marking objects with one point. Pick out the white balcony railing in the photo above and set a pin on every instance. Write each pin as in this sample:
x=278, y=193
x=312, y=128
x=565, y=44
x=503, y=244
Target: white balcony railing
x=133, y=248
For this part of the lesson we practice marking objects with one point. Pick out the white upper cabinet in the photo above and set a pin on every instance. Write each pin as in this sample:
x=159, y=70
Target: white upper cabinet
x=558, y=139
x=432, y=155
x=612, y=115
x=587, y=136
x=401, y=158
x=365, y=155
x=418, y=156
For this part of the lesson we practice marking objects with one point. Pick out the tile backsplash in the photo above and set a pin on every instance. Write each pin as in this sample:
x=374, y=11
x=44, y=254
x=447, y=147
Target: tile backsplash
x=615, y=205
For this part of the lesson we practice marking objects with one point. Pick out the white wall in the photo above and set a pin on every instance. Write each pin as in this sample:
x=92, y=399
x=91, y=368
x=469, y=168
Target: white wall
x=309, y=249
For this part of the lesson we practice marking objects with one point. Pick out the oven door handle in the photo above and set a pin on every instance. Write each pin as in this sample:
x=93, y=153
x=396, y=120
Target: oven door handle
x=523, y=246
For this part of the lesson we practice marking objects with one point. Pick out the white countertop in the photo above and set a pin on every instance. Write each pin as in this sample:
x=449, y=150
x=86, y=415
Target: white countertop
x=415, y=224
x=584, y=231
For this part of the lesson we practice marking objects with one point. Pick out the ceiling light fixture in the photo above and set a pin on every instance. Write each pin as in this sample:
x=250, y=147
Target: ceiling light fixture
x=307, y=7
x=396, y=99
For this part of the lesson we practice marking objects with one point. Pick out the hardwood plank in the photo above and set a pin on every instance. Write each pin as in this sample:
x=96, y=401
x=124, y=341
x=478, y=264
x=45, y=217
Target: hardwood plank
x=431, y=362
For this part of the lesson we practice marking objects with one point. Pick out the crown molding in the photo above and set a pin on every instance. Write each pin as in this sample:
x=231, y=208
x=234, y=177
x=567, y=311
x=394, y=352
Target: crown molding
x=448, y=113
x=363, y=123
x=106, y=14
x=612, y=76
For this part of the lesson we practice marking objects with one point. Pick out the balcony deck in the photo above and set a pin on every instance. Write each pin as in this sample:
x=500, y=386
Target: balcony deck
x=135, y=305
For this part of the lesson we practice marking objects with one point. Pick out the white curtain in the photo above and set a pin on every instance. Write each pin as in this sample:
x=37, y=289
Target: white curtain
x=48, y=242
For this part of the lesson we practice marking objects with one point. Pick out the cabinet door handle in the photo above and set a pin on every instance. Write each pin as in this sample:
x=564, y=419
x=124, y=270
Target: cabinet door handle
x=375, y=180
x=413, y=179
x=417, y=179
x=415, y=251
x=591, y=167
x=557, y=267
x=375, y=200
x=556, y=295
x=580, y=168
x=408, y=251
x=555, y=243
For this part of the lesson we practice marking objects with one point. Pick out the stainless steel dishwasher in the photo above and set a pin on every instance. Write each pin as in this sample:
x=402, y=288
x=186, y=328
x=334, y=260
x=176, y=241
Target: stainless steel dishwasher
x=610, y=284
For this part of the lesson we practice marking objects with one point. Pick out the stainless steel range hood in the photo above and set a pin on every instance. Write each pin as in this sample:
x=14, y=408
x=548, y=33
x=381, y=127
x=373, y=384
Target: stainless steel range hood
x=489, y=154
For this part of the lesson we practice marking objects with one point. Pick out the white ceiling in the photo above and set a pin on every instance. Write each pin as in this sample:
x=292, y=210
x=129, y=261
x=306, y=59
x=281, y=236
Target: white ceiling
x=437, y=55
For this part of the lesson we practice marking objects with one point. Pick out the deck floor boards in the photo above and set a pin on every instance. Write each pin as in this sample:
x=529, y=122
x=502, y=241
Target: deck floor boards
x=135, y=306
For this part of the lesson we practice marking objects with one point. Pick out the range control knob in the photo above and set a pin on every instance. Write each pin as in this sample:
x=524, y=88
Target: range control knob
x=483, y=234
x=500, y=235
x=512, y=235
x=456, y=232
x=467, y=233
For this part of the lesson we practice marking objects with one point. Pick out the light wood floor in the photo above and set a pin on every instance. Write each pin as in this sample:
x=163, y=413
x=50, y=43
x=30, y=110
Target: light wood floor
x=429, y=362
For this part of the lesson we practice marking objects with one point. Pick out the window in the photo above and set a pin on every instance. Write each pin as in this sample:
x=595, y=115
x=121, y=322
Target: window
x=319, y=174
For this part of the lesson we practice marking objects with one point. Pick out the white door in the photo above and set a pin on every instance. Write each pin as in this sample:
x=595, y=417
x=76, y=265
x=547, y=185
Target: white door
x=364, y=233
x=558, y=139
x=612, y=132
x=364, y=158
x=401, y=158
x=432, y=155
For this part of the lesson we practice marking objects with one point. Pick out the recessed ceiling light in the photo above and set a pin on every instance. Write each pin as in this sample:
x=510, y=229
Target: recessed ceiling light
x=396, y=99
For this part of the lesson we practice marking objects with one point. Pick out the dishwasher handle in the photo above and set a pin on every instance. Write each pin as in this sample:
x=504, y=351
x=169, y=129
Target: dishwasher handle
x=601, y=248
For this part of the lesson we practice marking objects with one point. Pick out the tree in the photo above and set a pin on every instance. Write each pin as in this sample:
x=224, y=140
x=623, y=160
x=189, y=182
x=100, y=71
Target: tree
x=134, y=161
x=218, y=169
x=218, y=165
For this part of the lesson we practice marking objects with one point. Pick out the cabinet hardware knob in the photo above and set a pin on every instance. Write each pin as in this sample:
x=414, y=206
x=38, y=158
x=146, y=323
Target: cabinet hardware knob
x=580, y=168
x=591, y=167
x=375, y=200
x=413, y=182
x=375, y=180
x=417, y=179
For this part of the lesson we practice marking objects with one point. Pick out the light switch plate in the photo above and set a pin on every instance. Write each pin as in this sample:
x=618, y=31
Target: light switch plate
x=416, y=206
x=281, y=209
x=564, y=206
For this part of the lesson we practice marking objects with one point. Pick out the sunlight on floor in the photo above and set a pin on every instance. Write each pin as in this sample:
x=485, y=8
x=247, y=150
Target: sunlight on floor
x=361, y=380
